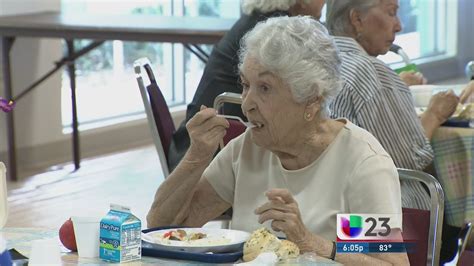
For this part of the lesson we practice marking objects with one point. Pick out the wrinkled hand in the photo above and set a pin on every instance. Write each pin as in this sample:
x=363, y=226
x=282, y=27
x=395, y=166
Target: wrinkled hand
x=467, y=95
x=284, y=212
x=443, y=104
x=205, y=130
x=413, y=78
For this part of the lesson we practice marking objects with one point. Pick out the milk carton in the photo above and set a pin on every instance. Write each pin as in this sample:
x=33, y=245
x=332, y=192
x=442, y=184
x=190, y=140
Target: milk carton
x=120, y=235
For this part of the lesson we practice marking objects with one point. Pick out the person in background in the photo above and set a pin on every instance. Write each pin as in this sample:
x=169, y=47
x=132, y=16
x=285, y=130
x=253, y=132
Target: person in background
x=375, y=98
x=221, y=73
x=296, y=169
x=413, y=78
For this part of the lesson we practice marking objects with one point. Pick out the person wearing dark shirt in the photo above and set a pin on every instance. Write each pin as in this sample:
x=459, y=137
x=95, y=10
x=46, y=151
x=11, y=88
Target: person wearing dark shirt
x=221, y=74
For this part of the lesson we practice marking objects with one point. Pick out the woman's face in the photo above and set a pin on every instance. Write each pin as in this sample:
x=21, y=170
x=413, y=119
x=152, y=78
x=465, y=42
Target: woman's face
x=268, y=103
x=378, y=27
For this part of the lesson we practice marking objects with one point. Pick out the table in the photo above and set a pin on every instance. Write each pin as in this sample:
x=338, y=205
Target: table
x=21, y=238
x=454, y=163
x=146, y=28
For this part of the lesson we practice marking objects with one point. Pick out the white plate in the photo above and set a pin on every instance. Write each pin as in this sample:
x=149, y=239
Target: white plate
x=216, y=240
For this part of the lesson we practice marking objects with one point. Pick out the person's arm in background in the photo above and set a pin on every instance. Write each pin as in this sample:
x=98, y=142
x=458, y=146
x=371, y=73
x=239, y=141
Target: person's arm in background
x=441, y=106
x=413, y=78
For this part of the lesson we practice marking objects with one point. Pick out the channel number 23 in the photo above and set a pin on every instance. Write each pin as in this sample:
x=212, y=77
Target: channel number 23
x=373, y=224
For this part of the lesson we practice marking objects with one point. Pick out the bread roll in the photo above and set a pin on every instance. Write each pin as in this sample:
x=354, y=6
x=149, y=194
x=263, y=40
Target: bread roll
x=287, y=250
x=260, y=241
x=263, y=240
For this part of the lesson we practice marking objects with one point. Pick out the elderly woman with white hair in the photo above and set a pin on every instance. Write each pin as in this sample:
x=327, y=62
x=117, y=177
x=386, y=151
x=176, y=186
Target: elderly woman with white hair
x=376, y=99
x=296, y=168
x=221, y=73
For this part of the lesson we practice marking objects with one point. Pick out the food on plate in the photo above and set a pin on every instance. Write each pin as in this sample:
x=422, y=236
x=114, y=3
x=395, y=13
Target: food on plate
x=263, y=240
x=181, y=235
x=287, y=250
x=465, y=111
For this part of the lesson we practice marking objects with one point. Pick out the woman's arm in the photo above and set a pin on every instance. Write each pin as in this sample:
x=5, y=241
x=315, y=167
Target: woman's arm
x=182, y=190
x=413, y=78
x=283, y=210
x=442, y=105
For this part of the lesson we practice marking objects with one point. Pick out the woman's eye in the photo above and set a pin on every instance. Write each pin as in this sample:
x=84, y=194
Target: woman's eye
x=264, y=88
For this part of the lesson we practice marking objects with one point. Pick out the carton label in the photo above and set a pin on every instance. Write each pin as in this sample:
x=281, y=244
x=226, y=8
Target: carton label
x=120, y=235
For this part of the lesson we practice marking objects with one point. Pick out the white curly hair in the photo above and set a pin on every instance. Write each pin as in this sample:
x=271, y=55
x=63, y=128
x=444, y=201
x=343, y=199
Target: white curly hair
x=300, y=51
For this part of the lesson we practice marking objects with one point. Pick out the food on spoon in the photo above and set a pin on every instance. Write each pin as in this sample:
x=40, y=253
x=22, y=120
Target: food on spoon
x=263, y=240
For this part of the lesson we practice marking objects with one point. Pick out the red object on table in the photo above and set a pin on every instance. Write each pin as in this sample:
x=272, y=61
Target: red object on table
x=67, y=236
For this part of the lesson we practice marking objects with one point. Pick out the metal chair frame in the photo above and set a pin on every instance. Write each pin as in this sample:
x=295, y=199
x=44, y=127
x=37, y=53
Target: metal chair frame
x=139, y=65
x=227, y=97
x=436, y=210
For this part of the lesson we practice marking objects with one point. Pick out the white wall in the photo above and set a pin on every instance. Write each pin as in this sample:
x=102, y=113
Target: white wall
x=36, y=115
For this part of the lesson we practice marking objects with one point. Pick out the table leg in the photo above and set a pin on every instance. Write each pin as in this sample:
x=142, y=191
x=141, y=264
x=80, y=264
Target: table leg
x=75, y=130
x=7, y=43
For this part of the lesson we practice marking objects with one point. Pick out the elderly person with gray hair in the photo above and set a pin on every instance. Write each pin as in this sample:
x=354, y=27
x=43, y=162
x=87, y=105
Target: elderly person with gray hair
x=374, y=97
x=221, y=72
x=295, y=169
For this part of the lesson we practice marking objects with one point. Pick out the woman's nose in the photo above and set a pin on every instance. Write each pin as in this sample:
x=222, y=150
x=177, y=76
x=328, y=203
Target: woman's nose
x=398, y=25
x=247, y=101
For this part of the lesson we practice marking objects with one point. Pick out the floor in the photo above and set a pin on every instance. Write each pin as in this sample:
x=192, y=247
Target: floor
x=48, y=199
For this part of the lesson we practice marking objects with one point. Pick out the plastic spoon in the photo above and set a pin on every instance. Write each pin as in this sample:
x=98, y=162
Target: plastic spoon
x=247, y=124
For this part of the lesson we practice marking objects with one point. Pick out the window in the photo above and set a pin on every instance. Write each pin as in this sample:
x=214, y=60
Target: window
x=105, y=77
x=425, y=34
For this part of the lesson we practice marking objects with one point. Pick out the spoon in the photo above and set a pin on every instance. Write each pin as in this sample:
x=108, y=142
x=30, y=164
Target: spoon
x=234, y=117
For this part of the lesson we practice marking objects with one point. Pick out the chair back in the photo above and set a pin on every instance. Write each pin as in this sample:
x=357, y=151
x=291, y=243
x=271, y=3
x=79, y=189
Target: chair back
x=235, y=127
x=424, y=227
x=157, y=112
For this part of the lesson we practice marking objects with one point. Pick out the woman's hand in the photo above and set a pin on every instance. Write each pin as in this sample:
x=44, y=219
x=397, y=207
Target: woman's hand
x=284, y=211
x=205, y=130
x=467, y=95
x=412, y=78
x=442, y=105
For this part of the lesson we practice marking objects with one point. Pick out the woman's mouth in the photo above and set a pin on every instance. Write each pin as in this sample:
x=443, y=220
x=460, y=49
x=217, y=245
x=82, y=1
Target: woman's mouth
x=256, y=124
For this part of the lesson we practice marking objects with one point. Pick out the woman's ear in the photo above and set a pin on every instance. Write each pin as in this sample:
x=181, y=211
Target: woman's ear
x=356, y=21
x=313, y=107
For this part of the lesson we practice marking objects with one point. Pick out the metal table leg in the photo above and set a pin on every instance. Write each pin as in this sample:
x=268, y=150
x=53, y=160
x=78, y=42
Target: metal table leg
x=71, y=68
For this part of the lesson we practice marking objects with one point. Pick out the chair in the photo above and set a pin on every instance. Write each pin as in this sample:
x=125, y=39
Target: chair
x=157, y=112
x=235, y=127
x=424, y=227
x=463, y=256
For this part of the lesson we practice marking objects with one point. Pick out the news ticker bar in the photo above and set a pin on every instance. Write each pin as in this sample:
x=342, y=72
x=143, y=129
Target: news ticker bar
x=374, y=247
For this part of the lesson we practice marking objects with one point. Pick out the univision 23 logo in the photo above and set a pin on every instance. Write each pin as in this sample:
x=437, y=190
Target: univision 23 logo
x=367, y=226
